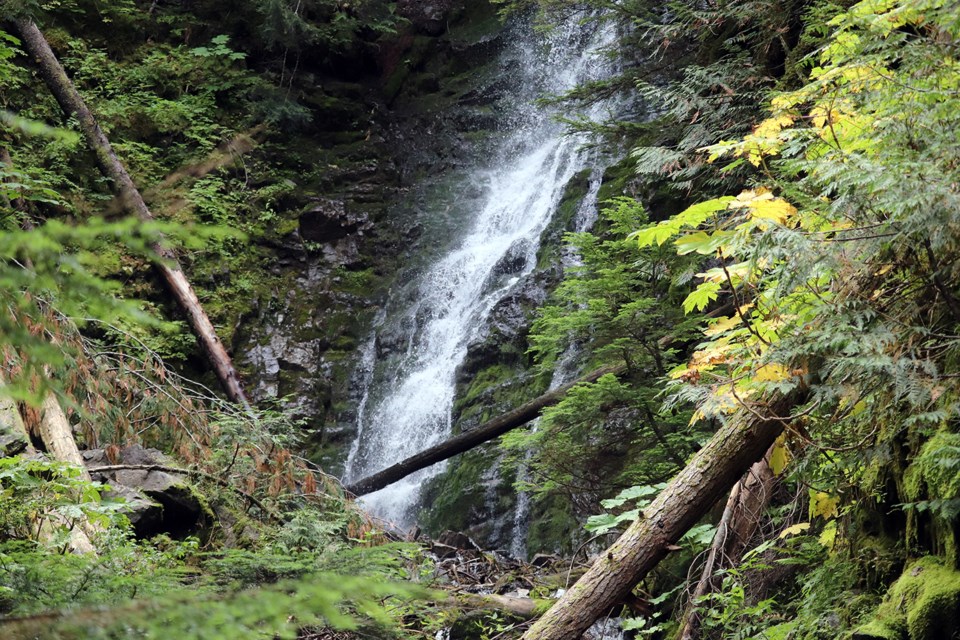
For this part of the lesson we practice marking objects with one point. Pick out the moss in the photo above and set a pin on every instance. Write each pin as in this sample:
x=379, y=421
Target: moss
x=616, y=179
x=931, y=485
x=457, y=496
x=553, y=526
x=923, y=604
x=563, y=220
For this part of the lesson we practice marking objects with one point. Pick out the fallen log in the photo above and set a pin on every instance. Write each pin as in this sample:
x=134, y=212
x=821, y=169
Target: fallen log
x=73, y=105
x=470, y=439
x=525, y=608
x=711, y=472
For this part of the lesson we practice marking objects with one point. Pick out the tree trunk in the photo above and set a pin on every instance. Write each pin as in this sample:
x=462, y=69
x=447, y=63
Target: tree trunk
x=709, y=474
x=11, y=420
x=73, y=105
x=470, y=439
x=57, y=435
x=738, y=524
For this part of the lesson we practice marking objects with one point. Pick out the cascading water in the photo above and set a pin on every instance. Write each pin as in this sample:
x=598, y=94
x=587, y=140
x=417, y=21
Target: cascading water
x=408, y=407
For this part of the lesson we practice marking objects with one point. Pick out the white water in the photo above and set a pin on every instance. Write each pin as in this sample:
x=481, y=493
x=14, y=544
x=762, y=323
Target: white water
x=409, y=409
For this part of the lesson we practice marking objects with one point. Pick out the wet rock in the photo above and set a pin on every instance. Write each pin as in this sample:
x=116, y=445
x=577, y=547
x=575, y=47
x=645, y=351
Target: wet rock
x=514, y=260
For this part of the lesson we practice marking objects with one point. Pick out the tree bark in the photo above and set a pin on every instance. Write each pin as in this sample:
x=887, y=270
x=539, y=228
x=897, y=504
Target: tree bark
x=57, y=435
x=709, y=474
x=470, y=439
x=737, y=526
x=73, y=105
x=11, y=419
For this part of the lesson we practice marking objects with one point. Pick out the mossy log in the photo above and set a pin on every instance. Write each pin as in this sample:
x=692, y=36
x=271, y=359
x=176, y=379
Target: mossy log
x=73, y=105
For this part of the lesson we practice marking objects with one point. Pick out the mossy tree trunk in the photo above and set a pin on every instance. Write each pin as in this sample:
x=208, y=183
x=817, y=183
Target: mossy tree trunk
x=709, y=474
x=73, y=104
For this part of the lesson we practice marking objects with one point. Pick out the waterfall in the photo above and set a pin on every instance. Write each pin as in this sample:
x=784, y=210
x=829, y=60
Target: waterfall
x=407, y=406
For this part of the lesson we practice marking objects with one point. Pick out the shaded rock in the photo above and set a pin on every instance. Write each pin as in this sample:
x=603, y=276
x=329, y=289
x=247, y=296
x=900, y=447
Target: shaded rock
x=545, y=560
x=328, y=220
x=427, y=16
x=457, y=540
x=157, y=501
x=11, y=443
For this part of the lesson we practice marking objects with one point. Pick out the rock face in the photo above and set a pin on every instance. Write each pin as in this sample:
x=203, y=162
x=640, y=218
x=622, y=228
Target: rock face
x=158, y=501
x=391, y=144
x=427, y=16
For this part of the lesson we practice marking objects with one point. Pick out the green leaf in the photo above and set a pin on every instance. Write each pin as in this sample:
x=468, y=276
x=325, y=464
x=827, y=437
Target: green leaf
x=702, y=296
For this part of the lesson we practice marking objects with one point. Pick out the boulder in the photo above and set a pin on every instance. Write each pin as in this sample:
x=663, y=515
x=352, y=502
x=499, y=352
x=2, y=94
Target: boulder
x=157, y=501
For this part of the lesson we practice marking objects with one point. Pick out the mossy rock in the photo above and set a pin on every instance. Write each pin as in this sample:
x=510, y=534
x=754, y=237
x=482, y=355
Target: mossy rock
x=923, y=604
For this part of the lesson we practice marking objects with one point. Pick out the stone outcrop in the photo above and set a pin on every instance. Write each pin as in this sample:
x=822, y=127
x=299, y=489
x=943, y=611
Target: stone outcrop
x=157, y=501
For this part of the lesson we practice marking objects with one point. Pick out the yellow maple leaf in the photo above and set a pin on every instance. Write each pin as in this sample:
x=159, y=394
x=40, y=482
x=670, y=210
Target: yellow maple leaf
x=772, y=126
x=779, y=456
x=828, y=536
x=823, y=504
x=778, y=210
x=796, y=529
x=722, y=325
x=749, y=196
x=773, y=372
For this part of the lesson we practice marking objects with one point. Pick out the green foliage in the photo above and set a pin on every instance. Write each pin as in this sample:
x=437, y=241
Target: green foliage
x=617, y=305
x=840, y=265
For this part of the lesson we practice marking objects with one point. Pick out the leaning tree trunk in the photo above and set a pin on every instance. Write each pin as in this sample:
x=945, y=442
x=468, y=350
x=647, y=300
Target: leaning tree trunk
x=709, y=474
x=738, y=524
x=12, y=421
x=73, y=104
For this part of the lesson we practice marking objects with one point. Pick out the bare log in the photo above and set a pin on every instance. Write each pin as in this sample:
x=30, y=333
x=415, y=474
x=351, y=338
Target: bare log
x=470, y=439
x=57, y=434
x=12, y=422
x=521, y=607
x=738, y=524
x=710, y=473
x=73, y=104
